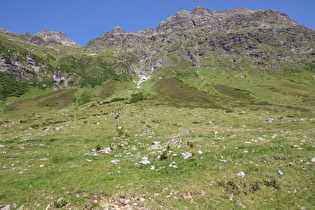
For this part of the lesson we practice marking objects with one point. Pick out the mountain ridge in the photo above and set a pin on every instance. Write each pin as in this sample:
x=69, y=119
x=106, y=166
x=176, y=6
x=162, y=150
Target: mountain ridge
x=43, y=38
x=237, y=39
x=203, y=30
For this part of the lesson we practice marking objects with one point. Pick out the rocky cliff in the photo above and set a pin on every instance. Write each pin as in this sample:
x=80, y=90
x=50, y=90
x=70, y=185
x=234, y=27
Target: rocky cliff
x=262, y=36
x=238, y=39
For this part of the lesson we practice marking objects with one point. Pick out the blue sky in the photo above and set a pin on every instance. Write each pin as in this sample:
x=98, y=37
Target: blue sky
x=84, y=20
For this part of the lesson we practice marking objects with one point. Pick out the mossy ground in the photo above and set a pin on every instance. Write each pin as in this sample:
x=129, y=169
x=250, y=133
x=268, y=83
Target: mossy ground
x=264, y=128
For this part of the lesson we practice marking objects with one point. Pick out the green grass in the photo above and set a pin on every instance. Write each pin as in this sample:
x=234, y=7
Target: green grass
x=50, y=145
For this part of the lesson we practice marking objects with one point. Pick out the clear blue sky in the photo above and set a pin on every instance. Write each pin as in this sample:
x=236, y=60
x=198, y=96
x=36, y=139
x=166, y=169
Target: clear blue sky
x=84, y=20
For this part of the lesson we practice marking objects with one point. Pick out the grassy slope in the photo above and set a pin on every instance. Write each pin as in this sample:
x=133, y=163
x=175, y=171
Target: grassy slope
x=240, y=121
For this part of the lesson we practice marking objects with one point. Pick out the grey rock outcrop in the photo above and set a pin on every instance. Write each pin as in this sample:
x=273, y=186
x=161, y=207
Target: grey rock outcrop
x=21, y=66
x=188, y=36
x=57, y=38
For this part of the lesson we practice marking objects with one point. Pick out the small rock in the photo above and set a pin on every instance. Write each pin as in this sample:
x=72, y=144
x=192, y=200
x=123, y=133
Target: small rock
x=145, y=161
x=6, y=207
x=142, y=199
x=114, y=161
x=241, y=174
x=21, y=207
x=270, y=120
x=126, y=201
x=2, y=145
x=274, y=136
x=199, y=152
x=41, y=166
x=187, y=155
x=155, y=146
x=313, y=160
x=106, y=150
x=224, y=161
x=280, y=172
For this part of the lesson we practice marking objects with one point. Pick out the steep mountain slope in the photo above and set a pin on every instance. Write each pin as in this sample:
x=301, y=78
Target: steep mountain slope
x=50, y=59
x=183, y=44
x=265, y=39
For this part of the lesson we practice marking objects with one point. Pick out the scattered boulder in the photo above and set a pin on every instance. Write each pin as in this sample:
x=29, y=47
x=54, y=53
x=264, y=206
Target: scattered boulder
x=145, y=161
x=186, y=155
x=241, y=174
x=280, y=172
x=156, y=145
x=6, y=207
x=106, y=150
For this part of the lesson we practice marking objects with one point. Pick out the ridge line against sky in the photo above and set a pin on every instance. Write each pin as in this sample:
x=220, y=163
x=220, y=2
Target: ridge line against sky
x=84, y=20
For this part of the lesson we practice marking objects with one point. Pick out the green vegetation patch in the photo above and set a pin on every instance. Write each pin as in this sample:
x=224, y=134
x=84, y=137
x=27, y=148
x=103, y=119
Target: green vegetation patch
x=10, y=87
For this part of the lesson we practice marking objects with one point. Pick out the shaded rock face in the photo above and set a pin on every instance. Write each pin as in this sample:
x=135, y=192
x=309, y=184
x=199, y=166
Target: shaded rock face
x=26, y=67
x=190, y=35
x=21, y=66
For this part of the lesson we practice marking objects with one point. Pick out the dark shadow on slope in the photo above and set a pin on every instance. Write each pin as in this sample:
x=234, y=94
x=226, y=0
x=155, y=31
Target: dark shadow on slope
x=54, y=100
x=183, y=95
x=234, y=93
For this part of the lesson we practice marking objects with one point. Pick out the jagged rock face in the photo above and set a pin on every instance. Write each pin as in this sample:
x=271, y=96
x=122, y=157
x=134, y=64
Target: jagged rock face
x=222, y=20
x=190, y=35
x=25, y=67
x=120, y=38
x=22, y=66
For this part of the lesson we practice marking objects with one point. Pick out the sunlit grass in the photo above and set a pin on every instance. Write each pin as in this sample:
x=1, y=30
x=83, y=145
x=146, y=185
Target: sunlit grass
x=51, y=156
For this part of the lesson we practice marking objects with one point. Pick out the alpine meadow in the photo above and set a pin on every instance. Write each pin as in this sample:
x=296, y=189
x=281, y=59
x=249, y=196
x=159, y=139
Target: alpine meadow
x=210, y=110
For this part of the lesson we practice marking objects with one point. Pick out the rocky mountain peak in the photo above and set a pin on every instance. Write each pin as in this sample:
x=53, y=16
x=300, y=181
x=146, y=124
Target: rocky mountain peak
x=202, y=17
x=148, y=32
x=118, y=30
x=56, y=37
x=191, y=35
x=200, y=11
